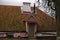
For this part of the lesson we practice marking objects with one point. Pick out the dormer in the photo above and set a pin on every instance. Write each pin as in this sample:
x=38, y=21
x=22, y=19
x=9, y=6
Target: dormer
x=26, y=8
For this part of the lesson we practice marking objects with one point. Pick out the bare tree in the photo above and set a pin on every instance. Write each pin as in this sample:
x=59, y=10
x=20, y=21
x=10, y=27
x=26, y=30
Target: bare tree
x=48, y=6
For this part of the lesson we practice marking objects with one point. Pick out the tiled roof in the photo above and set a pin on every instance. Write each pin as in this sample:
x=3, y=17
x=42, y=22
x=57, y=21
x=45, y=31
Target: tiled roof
x=11, y=19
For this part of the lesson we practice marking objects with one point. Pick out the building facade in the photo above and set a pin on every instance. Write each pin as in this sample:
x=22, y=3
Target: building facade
x=23, y=19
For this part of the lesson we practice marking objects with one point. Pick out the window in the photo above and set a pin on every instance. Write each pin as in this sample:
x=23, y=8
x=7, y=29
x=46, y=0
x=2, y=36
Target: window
x=2, y=34
x=10, y=35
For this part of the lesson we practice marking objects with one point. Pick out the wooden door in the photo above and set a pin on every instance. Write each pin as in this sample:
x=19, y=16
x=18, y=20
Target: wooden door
x=31, y=30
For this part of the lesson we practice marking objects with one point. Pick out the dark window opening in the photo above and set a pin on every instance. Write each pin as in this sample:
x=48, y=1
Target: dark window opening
x=10, y=36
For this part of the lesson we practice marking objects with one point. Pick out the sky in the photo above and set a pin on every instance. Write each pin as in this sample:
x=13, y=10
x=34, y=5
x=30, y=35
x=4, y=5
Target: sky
x=15, y=2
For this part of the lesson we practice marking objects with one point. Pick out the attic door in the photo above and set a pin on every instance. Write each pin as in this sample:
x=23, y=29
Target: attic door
x=31, y=30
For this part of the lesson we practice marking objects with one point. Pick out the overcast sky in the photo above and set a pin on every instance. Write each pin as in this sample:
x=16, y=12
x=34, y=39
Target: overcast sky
x=15, y=2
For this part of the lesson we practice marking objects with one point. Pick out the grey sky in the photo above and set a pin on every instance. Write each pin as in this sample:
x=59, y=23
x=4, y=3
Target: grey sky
x=15, y=2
